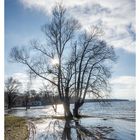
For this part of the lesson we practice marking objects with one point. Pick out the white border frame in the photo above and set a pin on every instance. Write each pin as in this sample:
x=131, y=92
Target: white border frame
x=2, y=69
x=137, y=69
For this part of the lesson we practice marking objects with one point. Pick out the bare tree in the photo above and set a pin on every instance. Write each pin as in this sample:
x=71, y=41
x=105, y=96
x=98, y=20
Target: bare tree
x=11, y=89
x=28, y=92
x=58, y=33
x=92, y=59
x=72, y=71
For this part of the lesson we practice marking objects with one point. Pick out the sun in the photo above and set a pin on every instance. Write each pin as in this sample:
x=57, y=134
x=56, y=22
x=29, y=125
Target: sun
x=55, y=61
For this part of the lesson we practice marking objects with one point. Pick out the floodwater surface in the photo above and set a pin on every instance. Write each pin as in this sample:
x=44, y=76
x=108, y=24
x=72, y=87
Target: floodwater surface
x=109, y=121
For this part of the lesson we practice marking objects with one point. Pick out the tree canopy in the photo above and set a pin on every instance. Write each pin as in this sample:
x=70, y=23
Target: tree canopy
x=74, y=62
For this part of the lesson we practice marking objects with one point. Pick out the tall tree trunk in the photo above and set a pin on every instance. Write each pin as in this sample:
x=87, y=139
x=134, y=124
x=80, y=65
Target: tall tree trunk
x=77, y=105
x=66, y=104
x=67, y=111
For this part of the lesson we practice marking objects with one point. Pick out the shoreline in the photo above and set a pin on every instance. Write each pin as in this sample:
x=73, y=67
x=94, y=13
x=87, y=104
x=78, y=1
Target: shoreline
x=116, y=121
x=16, y=128
x=93, y=126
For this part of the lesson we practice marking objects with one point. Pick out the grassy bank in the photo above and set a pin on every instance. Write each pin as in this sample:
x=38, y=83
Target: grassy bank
x=15, y=128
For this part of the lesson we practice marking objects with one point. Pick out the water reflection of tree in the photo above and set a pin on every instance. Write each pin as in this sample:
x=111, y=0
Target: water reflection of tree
x=92, y=133
x=74, y=130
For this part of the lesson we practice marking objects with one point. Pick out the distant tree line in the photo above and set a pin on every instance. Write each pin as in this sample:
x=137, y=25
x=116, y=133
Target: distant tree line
x=30, y=98
x=14, y=98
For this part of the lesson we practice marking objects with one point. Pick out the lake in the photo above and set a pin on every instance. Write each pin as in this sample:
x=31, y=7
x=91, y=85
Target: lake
x=112, y=120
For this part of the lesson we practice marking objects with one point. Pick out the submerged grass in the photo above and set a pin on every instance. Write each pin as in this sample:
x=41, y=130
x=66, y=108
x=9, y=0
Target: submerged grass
x=15, y=128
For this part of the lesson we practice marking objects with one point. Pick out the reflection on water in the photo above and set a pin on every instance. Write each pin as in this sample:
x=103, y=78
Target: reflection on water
x=38, y=111
x=83, y=129
x=115, y=121
x=68, y=130
x=118, y=110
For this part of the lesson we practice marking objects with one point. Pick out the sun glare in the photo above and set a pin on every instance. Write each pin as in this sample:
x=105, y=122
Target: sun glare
x=55, y=61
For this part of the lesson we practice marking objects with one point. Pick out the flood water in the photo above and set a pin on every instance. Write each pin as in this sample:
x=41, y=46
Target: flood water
x=107, y=121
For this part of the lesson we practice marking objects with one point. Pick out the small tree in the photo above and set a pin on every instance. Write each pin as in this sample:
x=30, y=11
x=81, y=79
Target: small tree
x=27, y=99
x=11, y=89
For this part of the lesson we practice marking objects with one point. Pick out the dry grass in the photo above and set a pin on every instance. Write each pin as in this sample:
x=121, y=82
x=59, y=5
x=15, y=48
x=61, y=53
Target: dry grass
x=15, y=128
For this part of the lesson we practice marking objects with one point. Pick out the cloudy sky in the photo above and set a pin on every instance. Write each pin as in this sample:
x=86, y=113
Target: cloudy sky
x=23, y=19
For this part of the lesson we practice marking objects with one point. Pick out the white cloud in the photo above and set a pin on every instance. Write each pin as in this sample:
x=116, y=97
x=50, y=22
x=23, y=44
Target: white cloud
x=27, y=83
x=123, y=87
x=113, y=15
x=46, y=5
